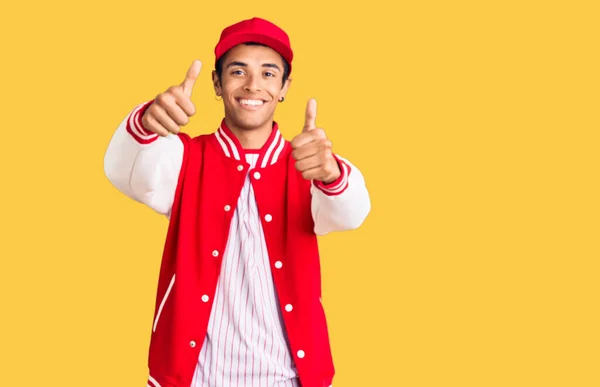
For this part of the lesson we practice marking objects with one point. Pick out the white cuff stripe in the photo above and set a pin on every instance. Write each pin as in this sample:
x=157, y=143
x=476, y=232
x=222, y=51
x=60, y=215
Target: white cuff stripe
x=134, y=127
x=340, y=187
x=137, y=120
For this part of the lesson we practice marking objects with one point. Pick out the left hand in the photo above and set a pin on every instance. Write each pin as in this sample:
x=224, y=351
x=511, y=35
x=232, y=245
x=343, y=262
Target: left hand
x=312, y=150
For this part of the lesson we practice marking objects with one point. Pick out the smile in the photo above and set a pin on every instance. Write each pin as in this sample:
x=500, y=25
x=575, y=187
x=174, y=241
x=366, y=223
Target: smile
x=251, y=104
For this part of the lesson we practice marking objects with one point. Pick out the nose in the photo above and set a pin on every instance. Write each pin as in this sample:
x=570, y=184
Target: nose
x=252, y=84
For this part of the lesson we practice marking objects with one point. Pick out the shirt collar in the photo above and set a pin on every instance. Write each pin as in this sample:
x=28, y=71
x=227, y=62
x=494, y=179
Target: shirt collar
x=232, y=148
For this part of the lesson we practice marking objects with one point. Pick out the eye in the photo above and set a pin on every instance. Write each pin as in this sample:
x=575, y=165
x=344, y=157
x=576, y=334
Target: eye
x=269, y=74
x=237, y=72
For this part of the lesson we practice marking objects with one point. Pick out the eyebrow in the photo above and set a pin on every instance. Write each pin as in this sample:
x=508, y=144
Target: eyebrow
x=242, y=64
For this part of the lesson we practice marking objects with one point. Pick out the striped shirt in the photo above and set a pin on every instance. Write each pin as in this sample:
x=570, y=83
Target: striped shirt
x=246, y=343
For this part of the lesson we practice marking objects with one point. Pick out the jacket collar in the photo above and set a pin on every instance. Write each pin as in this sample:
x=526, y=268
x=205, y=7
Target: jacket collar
x=232, y=148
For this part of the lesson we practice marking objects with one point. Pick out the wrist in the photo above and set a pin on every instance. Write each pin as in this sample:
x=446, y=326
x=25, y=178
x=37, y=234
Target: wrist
x=334, y=176
x=337, y=182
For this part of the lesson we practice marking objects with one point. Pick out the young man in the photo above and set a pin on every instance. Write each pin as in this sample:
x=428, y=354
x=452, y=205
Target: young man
x=239, y=290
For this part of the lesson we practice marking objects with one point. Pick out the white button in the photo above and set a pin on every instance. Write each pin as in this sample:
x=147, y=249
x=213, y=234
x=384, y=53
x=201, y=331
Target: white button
x=257, y=175
x=227, y=207
x=205, y=298
x=289, y=307
x=300, y=354
x=215, y=253
x=192, y=343
x=278, y=264
x=240, y=167
x=268, y=217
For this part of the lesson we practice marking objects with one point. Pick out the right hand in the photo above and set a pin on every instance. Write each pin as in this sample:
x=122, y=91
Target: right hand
x=172, y=108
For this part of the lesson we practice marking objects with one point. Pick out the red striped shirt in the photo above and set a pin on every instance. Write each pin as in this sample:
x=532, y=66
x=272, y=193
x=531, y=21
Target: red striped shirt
x=246, y=343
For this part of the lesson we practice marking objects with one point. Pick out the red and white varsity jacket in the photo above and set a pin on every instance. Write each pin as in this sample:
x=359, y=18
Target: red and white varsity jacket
x=206, y=174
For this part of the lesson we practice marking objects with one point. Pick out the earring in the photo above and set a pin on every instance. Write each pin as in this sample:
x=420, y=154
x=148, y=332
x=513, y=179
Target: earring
x=217, y=97
x=281, y=99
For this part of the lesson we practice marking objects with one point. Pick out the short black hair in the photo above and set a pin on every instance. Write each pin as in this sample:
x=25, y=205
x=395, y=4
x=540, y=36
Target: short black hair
x=286, y=65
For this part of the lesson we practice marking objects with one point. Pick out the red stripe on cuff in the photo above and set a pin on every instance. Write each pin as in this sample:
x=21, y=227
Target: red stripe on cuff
x=138, y=119
x=340, y=184
x=135, y=129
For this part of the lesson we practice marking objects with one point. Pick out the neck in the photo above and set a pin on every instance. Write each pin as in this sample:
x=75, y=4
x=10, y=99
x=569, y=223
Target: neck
x=253, y=138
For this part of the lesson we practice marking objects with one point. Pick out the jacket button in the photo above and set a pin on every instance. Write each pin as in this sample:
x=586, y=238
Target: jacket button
x=278, y=264
x=300, y=354
x=240, y=167
x=289, y=307
x=215, y=253
x=257, y=175
x=192, y=343
x=227, y=207
x=205, y=298
x=268, y=217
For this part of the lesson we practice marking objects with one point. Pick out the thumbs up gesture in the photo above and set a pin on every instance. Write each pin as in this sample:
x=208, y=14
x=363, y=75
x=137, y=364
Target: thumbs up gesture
x=312, y=150
x=172, y=108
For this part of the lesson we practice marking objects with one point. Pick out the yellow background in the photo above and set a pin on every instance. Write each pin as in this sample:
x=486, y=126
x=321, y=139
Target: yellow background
x=476, y=125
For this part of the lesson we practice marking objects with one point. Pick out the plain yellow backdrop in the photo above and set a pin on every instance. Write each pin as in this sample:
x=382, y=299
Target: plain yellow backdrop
x=475, y=123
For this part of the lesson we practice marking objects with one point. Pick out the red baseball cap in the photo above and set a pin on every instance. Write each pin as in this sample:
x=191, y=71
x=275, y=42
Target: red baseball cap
x=255, y=30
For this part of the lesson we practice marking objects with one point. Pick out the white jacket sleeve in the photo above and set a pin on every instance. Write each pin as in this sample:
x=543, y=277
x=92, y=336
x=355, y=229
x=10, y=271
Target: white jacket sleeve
x=143, y=165
x=343, y=204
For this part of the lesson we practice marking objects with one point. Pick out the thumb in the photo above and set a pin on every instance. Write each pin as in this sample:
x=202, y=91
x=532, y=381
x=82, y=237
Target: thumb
x=190, y=77
x=311, y=115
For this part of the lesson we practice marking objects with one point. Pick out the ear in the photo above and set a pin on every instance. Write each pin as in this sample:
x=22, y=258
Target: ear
x=285, y=88
x=216, y=83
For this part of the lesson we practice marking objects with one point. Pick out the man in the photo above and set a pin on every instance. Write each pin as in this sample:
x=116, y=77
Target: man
x=239, y=292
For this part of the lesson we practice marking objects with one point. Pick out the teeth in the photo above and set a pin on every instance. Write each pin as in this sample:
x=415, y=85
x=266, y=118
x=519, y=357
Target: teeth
x=252, y=102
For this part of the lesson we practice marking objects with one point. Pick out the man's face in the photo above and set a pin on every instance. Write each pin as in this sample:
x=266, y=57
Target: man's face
x=251, y=85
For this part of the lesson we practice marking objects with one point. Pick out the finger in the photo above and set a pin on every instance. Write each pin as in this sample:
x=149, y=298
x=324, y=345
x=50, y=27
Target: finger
x=309, y=163
x=311, y=115
x=170, y=103
x=165, y=120
x=190, y=77
x=304, y=152
x=177, y=114
x=152, y=125
x=322, y=146
x=301, y=140
x=184, y=102
x=324, y=169
x=314, y=174
x=307, y=137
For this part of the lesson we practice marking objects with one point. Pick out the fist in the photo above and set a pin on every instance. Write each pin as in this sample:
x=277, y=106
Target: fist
x=312, y=150
x=173, y=108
